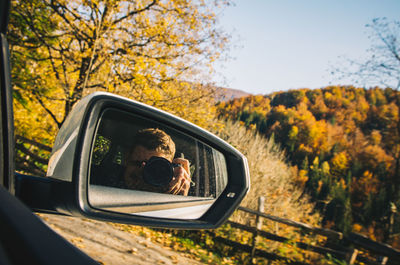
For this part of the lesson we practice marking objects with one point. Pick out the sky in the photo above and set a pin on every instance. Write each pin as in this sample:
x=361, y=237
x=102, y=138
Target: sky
x=291, y=44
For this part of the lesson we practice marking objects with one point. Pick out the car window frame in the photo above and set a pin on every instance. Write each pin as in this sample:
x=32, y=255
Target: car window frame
x=24, y=237
x=7, y=118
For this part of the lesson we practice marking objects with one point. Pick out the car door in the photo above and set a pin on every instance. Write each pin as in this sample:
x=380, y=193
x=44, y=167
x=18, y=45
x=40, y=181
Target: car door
x=24, y=238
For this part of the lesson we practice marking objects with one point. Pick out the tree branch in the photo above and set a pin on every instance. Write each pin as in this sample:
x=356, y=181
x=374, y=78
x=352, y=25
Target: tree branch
x=38, y=97
x=132, y=13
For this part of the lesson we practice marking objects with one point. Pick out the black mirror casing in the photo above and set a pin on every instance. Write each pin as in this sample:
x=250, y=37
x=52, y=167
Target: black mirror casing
x=69, y=166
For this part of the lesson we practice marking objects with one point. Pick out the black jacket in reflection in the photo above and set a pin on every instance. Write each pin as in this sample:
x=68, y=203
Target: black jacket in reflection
x=112, y=176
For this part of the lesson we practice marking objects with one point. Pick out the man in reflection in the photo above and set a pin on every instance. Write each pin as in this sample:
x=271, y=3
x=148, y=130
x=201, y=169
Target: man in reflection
x=149, y=144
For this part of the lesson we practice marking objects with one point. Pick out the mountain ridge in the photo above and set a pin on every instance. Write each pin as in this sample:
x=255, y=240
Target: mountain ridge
x=224, y=94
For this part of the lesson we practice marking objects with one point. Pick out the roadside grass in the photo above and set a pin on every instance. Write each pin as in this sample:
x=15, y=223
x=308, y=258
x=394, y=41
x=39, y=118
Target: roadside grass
x=197, y=245
x=200, y=246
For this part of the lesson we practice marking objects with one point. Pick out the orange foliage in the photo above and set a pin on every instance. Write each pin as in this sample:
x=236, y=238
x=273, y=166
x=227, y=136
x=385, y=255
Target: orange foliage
x=365, y=184
x=352, y=135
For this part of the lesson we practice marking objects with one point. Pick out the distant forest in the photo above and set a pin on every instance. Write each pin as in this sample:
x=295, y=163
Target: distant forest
x=344, y=142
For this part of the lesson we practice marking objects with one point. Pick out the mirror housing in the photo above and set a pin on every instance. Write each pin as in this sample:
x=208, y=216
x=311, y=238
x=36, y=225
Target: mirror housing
x=65, y=190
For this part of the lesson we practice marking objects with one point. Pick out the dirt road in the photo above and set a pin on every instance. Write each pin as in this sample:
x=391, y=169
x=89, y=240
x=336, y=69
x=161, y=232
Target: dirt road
x=111, y=246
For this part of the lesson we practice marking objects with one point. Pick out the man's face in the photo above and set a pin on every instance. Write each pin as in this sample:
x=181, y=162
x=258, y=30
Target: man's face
x=133, y=174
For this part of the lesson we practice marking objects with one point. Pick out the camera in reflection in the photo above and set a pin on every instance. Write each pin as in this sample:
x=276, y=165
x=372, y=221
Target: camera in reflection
x=158, y=171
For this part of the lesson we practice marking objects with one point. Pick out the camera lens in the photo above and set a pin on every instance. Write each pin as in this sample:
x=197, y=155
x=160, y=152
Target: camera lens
x=158, y=172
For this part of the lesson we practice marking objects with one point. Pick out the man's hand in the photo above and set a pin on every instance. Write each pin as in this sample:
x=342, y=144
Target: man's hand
x=180, y=183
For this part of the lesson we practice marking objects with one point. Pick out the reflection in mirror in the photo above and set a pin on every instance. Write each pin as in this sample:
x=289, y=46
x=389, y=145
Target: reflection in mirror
x=139, y=166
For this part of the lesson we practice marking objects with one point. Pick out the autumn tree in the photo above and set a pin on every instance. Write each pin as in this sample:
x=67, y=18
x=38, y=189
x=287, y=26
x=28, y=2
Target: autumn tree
x=154, y=51
x=383, y=68
x=343, y=141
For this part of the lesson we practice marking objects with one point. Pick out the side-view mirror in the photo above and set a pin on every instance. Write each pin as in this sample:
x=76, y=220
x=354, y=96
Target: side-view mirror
x=119, y=160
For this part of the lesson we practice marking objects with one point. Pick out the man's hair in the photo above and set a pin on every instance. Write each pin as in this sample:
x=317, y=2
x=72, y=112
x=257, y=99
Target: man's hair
x=155, y=140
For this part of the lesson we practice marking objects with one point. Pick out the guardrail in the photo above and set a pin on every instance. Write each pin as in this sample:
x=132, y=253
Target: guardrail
x=31, y=156
x=353, y=248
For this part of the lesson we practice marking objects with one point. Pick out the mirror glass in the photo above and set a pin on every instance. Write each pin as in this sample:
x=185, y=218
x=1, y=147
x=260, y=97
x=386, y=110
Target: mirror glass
x=143, y=167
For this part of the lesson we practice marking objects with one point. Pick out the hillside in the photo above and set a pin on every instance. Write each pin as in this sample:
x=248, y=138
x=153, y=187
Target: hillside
x=223, y=94
x=345, y=143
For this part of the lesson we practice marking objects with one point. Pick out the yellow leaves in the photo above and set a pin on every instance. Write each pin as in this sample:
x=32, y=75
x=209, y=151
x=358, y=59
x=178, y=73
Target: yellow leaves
x=302, y=177
x=371, y=232
x=189, y=101
x=340, y=163
x=305, y=149
x=337, y=91
x=32, y=121
x=319, y=106
x=325, y=168
x=376, y=137
x=357, y=227
x=293, y=132
x=317, y=134
x=320, y=184
x=353, y=131
x=368, y=183
x=328, y=96
x=362, y=105
x=367, y=175
x=253, y=127
x=142, y=56
x=302, y=113
x=315, y=163
x=342, y=183
x=389, y=112
x=373, y=155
